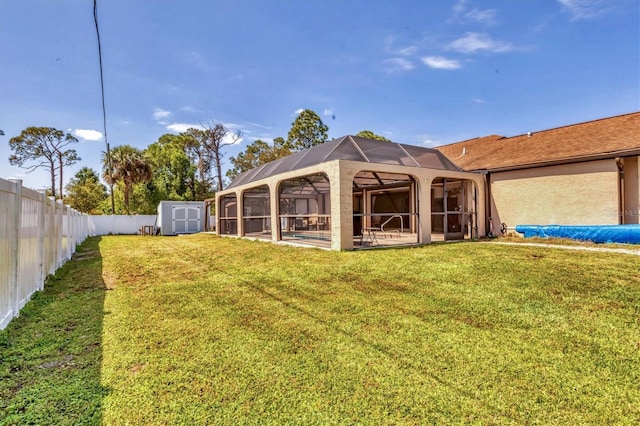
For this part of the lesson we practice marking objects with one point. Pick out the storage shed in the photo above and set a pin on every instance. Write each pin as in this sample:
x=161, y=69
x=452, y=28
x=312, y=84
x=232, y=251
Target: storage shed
x=180, y=217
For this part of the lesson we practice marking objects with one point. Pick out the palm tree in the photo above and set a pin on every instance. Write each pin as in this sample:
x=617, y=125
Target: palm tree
x=129, y=167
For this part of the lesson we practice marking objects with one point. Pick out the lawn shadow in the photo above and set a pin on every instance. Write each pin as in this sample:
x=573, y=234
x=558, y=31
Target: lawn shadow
x=51, y=355
x=403, y=361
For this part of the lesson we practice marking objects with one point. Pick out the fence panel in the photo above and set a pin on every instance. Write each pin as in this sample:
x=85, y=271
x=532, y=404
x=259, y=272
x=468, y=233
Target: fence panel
x=119, y=224
x=37, y=236
x=50, y=243
x=65, y=243
x=29, y=269
x=7, y=244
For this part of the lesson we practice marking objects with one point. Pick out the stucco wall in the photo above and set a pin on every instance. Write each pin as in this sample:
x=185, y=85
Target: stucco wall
x=573, y=194
x=631, y=190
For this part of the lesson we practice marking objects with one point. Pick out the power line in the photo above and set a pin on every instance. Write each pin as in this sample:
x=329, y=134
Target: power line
x=104, y=110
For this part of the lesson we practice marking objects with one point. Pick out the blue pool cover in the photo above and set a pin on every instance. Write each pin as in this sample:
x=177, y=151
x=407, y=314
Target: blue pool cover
x=626, y=234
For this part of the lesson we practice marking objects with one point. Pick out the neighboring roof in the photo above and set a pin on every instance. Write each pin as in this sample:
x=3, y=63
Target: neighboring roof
x=351, y=148
x=604, y=138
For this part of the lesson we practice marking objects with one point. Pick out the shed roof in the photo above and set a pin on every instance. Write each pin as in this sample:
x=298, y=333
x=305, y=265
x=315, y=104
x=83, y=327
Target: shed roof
x=604, y=138
x=352, y=148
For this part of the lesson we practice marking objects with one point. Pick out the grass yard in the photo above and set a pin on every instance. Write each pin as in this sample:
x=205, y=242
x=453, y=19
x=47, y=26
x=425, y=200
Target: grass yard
x=210, y=330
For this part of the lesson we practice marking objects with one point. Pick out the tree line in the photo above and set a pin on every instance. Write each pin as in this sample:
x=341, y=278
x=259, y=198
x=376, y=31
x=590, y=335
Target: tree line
x=306, y=131
x=183, y=167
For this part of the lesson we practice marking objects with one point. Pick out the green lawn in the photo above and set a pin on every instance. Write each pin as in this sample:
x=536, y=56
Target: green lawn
x=209, y=330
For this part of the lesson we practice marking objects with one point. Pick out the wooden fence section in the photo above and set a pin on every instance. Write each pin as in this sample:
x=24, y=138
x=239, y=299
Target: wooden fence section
x=37, y=236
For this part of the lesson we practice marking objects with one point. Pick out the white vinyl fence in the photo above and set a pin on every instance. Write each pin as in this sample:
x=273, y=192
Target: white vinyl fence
x=119, y=224
x=37, y=236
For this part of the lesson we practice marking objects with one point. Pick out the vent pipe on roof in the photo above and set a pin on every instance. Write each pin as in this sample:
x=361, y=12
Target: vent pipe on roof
x=529, y=134
x=464, y=150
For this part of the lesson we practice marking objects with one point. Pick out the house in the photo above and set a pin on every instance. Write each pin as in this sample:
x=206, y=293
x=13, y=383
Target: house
x=354, y=192
x=580, y=174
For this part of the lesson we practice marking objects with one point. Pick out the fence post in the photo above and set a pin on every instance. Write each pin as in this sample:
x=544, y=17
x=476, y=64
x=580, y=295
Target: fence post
x=72, y=220
x=65, y=234
x=85, y=226
x=41, y=237
x=74, y=232
x=15, y=237
x=68, y=232
x=59, y=225
x=52, y=236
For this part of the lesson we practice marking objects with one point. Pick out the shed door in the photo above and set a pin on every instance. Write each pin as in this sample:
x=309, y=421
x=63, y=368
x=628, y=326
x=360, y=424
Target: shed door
x=186, y=220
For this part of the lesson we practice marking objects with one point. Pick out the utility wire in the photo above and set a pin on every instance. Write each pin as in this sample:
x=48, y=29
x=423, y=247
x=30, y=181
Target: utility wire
x=104, y=110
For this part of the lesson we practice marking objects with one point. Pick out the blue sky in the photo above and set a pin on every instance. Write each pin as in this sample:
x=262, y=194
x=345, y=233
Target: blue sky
x=420, y=72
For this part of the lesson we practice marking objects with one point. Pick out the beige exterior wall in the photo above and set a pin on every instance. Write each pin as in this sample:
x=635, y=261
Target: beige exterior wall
x=631, y=190
x=573, y=194
x=424, y=178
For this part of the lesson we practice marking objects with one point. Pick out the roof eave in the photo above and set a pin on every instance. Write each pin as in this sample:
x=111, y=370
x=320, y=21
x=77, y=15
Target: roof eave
x=568, y=160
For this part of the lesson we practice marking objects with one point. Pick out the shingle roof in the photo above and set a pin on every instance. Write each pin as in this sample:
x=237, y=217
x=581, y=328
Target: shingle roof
x=604, y=138
x=352, y=148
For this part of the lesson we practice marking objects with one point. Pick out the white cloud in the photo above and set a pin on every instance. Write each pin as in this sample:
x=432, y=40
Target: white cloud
x=428, y=142
x=88, y=135
x=327, y=111
x=424, y=139
x=438, y=62
x=486, y=16
x=232, y=139
x=389, y=47
x=393, y=65
x=407, y=51
x=259, y=126
x=583, y=9
x=298, y=111
x=459, y=7
x=388, y=43
x=188, y=108
x=183, y=127
x=161, y=115
x=477, y=100
x=474, y=42
x=232, y=126
x=483, y=16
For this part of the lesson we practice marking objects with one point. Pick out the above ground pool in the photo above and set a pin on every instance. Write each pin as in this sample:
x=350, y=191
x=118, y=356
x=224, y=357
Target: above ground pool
x=626, y=234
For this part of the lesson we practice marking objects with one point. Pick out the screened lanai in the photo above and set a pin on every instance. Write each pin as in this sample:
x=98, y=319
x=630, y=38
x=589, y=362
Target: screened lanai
x=352, y=193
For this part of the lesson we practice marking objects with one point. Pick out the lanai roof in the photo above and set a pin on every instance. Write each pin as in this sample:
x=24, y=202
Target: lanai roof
x=351, y=148
x=604, y=138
